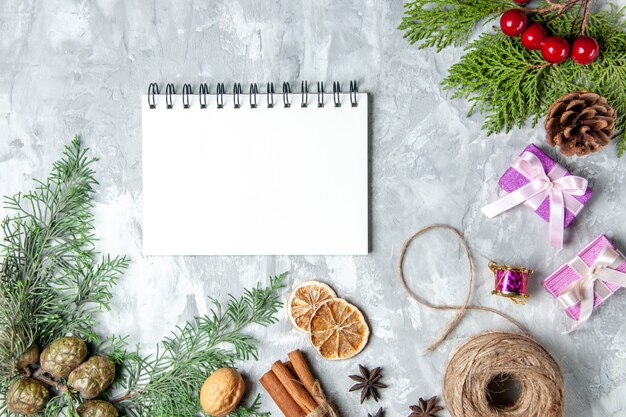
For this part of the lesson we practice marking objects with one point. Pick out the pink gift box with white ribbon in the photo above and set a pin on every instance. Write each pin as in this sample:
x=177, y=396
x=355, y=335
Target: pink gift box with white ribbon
x=540, y=183
x=588, y=279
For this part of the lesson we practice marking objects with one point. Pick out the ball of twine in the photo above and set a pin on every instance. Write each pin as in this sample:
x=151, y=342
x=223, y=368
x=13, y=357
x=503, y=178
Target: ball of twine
x=493, y=355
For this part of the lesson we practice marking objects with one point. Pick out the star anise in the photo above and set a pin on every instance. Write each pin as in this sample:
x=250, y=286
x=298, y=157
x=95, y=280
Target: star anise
x=368, y=382
x=425, y=408
x=379, y=413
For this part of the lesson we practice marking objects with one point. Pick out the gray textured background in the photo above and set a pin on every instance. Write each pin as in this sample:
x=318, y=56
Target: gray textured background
x=71, y=67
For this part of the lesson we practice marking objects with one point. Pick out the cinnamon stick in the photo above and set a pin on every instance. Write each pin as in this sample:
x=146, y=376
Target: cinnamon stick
x=289, y=366
x=281, y=397
x=294, y=387
x=303, y=372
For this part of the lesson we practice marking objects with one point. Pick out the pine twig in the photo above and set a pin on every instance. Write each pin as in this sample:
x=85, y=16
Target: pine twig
x=538, y=66
x=558, y=8
x=583, y=25
x=41, y=376
x=125, y=397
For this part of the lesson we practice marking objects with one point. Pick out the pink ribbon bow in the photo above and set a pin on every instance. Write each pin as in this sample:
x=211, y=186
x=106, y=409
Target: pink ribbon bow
x=592, y=281
x=554, y=185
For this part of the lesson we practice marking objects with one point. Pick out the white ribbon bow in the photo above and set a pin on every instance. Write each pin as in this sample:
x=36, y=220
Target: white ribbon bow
x=592, y=281
x=560, y=189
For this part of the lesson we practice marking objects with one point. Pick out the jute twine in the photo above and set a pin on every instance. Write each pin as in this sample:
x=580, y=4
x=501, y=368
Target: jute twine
x=325, y=409
x=461, y=309
x=492, y=355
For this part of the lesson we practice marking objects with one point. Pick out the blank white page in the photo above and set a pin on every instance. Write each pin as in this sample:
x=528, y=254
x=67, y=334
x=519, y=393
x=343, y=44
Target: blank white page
x=255, y=181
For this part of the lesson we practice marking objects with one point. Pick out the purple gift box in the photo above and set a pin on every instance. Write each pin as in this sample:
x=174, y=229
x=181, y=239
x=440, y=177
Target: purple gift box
x=511, y=180
x=565, y=275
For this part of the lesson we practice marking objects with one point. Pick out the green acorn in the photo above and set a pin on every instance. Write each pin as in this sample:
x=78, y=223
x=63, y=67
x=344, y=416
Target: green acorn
x=63, y=356
x=93, y=376
x=97, y=408
x=29, y=357
x=26, y=396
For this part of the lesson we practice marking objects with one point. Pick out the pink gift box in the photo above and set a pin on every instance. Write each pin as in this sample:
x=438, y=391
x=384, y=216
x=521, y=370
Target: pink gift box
x=511, y=180
x=565, y=275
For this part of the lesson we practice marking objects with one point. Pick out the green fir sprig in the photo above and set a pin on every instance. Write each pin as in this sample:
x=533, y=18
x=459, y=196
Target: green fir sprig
x=168, y=383
x=509, y=83
x=443, y=23
x=52, y=279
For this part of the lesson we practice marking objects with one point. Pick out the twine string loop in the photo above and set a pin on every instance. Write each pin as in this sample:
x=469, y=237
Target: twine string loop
x=461, y=309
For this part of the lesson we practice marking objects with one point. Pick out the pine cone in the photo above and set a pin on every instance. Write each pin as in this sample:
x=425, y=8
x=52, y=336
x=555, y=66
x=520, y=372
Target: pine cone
x=63, y=356
x=93, y=376
x=26, y=396
x=97, y=408
x=580, y=123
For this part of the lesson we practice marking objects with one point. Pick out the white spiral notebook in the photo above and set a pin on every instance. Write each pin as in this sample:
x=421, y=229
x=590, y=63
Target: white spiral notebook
x=260, y=173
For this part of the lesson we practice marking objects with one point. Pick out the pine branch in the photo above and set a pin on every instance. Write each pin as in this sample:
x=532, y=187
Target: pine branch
x=500, y=78
x=510, y=84
x=168, y=383
x=51, y=282
x=442, y=23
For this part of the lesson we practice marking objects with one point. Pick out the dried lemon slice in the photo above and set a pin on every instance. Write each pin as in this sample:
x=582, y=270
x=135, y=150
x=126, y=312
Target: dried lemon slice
x=338, y=330
x=304, y=299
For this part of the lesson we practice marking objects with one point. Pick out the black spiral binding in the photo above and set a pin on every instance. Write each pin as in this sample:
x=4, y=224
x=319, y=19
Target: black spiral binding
x=320, y=94
x=186, y=93
x=237, y=95
x=220, y=95
x=203, y=92
x=353, y=91
x=153, y=89
x=286, y=93
x=270, y=95
x=336, y=92
x=305, y=93
x=254, y=90
x=169, y=92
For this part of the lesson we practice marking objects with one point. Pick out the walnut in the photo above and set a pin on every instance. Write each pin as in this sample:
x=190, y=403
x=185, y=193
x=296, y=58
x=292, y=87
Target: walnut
x=221, y=392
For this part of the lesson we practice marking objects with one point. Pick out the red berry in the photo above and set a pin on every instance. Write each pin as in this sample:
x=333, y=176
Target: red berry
x=533, y=36
x=585, y=50
x=554, y=49
x=521, y=1
x=513, y=22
